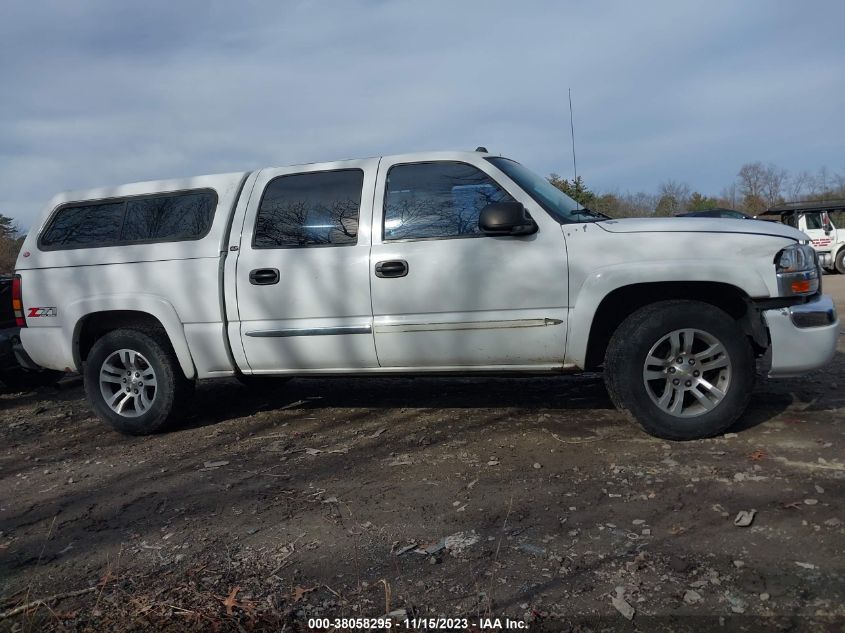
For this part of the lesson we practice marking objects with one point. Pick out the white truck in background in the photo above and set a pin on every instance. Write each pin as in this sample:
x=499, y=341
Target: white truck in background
x=814, y=219
x=432, y=263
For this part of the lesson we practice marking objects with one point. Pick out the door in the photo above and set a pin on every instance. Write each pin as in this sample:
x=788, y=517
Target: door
x=303, y=288
x=445, y=295
x=814, y=226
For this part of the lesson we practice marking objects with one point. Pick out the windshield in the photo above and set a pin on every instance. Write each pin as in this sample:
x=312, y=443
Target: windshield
x=560, y=206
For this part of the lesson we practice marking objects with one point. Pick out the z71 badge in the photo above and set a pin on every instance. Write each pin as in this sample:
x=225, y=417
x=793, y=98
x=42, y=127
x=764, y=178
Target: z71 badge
x=42, y=312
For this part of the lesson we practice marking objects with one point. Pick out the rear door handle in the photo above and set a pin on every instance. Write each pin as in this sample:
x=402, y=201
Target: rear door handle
x=392, y=268
x=264, y=276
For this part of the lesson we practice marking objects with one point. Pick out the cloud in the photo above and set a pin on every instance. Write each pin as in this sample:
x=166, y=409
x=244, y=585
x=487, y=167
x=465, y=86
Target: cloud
x=100, y=93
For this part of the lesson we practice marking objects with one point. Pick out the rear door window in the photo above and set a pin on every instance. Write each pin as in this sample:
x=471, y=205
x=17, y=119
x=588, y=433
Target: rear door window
x=310, y=209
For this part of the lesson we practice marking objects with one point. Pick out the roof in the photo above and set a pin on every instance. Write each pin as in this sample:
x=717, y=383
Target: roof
x=804, y=207
x=218, y=180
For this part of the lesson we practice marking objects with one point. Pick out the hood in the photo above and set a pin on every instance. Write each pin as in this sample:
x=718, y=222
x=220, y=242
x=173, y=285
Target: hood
x=701, y=225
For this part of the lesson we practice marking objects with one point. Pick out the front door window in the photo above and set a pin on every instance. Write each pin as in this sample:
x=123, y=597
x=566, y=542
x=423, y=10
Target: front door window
x=437, y=201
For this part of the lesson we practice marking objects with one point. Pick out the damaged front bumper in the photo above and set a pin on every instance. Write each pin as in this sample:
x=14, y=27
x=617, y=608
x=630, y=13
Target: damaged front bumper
x=803, y=337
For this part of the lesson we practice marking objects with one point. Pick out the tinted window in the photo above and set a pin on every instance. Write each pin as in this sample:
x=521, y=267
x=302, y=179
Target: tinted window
x=85, y=225
x=313, y=209
x=814, y=221
x=427, y=200
x=168, y=217
x=181, y=216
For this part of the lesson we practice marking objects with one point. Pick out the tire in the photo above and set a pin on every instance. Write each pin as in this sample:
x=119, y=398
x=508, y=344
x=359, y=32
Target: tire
x=26, y=380
x=145, y=357
x=659, y=331
x=839, y=262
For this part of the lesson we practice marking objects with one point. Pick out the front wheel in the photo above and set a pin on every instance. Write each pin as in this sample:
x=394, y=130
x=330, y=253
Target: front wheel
x=682, y=370
x=134, y=382
x=839, y=262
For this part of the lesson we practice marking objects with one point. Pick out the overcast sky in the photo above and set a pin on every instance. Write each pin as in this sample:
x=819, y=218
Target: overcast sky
x=97, y=93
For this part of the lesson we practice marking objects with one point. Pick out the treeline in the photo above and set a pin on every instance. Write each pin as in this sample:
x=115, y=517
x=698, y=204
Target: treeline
x=11, y=240
x=757, y=187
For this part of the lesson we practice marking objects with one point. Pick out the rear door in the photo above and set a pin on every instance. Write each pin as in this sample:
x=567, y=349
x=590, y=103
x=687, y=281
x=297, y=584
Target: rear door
x=303, y=290
x=447, y=296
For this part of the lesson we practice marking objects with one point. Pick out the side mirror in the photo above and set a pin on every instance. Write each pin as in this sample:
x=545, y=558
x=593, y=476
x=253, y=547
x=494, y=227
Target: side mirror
x=828, y=228
x=506, y=218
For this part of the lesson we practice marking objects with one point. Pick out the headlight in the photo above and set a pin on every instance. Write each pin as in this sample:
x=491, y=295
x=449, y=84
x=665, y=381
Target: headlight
x=796, y=258
x=797, y=270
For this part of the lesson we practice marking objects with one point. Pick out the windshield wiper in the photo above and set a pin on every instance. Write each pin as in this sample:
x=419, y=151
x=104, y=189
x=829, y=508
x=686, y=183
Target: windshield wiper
x=591, y=213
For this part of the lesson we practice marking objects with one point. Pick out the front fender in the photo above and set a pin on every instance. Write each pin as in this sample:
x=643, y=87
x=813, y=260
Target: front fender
x=602, y=281
x=154, y=305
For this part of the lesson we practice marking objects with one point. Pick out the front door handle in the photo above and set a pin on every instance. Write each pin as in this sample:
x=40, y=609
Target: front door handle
x=392, y=268
x=264, y=276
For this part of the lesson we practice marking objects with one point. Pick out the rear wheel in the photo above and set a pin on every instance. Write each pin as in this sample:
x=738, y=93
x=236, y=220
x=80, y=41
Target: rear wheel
x=681, y=369
x=134, y=382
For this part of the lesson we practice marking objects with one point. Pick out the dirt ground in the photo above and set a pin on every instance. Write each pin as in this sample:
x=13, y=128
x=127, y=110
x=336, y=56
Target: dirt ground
x=471, y=498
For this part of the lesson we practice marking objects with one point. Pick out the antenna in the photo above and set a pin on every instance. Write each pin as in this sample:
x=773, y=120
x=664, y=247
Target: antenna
x=572, y=133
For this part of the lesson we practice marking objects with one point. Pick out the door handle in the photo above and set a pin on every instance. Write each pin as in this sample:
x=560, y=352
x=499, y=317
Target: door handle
x=392, y=268
x=264, y=276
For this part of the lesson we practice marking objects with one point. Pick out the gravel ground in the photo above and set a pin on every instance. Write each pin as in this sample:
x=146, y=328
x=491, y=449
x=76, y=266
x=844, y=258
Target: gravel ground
x=467, y=498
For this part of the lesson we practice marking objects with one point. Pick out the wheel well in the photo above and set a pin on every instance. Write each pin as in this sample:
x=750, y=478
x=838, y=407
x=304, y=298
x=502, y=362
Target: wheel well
x=622, y=302
x=93, y=326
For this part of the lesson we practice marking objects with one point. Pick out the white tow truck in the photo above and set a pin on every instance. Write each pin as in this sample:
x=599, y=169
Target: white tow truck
x=815, y=219
x=460, y=263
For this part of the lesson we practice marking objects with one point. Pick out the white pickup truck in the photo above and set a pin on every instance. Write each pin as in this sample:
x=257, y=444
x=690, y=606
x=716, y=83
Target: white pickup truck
x=431, y=263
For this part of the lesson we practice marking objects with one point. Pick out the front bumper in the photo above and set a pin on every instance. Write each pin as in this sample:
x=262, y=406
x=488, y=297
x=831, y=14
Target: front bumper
x=803, y=337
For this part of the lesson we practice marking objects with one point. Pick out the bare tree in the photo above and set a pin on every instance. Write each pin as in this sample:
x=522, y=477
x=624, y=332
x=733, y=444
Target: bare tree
x=775, y=179
x=632, y=205
x=752, y=179
x=680, y=191
x=822, y=181
x=673, y=197
x=728, y=196
x=798, y=184
x=839, y=185
x=823, y=185
x=760, y=185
